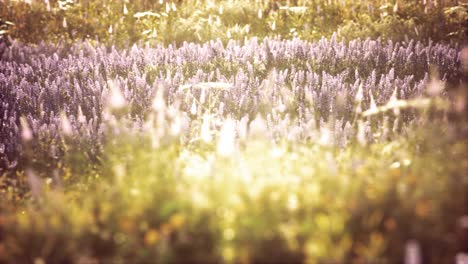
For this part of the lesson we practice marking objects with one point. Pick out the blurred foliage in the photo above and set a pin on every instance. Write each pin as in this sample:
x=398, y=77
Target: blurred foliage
x=176, y=203
x=173, y=22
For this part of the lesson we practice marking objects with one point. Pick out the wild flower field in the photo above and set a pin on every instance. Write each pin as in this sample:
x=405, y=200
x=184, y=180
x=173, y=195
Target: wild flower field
x=261, y=150
x=254, y=151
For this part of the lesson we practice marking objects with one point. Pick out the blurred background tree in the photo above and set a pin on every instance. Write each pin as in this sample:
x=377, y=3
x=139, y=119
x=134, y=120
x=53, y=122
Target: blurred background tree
x=173, y=22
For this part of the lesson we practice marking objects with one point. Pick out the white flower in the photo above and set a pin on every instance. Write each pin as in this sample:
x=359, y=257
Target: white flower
x=205, y=132
x=116, y=99
x=125, y=10
x=193, y=109
x=258, y=127
x=227, y=139
x=26, y=132
x=65, y=124
x=81, y=117
x=158, y=103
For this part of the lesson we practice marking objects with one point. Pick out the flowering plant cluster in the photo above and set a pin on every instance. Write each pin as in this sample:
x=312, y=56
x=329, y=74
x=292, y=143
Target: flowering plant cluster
x=295, y=87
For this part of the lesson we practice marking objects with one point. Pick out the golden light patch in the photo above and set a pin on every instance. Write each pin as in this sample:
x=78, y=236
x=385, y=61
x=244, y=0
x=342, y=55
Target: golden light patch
x=151, y=237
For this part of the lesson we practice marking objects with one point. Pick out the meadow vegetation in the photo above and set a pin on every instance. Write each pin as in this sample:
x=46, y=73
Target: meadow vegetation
x=174, y=22
x=233, y=132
